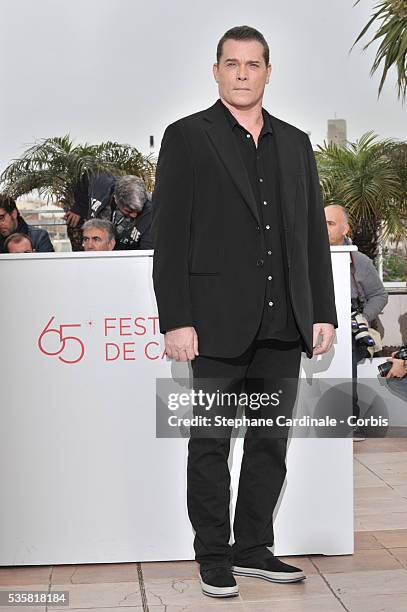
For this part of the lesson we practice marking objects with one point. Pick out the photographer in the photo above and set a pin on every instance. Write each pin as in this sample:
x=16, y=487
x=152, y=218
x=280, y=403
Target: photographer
x=368, y=294
x=11, y=222
x=122, y=200
x=396, y=377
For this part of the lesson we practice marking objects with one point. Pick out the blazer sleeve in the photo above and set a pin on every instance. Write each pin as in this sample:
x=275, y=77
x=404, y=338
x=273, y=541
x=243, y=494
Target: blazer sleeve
x=145, y=242
x=44, y=244
x=319, y=254
x=81, y=197
x=373, y=288
x=171, y=233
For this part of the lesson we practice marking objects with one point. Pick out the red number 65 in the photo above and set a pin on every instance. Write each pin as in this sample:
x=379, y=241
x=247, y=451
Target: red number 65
x=63, y=340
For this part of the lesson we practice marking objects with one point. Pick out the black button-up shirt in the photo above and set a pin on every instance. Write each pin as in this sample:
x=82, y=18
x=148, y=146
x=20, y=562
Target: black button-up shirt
x=261, y=163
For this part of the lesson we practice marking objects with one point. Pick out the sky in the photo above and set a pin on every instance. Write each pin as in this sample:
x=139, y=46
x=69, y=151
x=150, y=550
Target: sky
x=122, y=70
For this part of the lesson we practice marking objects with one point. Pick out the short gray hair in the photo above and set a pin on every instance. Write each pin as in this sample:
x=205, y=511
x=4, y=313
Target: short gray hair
x=343, y=209
x=130, y=191
x=100, y=224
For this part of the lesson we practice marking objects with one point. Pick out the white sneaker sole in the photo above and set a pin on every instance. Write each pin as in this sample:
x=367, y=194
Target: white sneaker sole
x=213, y=591
x=267, y=575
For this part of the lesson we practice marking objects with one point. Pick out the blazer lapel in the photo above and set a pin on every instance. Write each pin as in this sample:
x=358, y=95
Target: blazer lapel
x=222, y=139
x=288, y=161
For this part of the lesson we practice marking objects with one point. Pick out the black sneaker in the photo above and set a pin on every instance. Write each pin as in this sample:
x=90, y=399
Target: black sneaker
x=271, y=569
x=218, y=582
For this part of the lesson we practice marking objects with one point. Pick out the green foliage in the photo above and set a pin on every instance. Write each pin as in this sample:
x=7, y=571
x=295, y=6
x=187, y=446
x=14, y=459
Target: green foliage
x=394, y=267
x=55, y=165
x=390, y=17
x=369, y=178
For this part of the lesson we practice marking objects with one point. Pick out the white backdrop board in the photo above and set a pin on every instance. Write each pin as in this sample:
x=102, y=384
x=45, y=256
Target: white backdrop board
x=83, y=477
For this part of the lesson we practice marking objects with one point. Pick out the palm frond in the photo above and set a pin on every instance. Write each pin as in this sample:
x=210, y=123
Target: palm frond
x=391, y=19
x=369, y=178
x=54, y=166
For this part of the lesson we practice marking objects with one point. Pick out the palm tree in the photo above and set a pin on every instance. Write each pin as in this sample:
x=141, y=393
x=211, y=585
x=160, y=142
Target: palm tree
x=54, y=166
x=365, y=178
x=391, y=20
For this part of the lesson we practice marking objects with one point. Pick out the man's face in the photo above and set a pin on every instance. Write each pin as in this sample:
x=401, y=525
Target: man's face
x=128, y=212
x=242, y=73
x=8, y=222
x=97, y=240
x=336, y=224
x=24, y=246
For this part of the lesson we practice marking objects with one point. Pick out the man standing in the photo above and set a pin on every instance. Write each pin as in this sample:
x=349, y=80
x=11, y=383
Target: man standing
x=365, y=280
x=367, y=290
x=243, y=280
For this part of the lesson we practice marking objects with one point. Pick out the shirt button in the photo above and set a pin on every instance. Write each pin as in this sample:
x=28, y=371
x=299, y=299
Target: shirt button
x=265, y=203
x=269, y=277
x=267, y=227
x=271, y=303
x=268, y=252
x=260, y=262
x=258, y=228
x=247, y=135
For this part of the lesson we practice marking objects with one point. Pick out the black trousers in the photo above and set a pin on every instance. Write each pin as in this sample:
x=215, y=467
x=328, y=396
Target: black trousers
x=260, y=369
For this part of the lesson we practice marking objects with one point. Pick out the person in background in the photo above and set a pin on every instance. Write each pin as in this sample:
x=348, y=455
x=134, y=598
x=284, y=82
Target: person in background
x=131, y=213
x=98, y=235
x=11, y=222
x=18, y=243
x=399, y=367
x=365, y=285
x=122, y=200
x=396, y=378
x=363, y=271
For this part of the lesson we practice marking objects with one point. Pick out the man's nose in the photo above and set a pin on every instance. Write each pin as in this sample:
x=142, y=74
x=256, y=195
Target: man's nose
x=241, y=73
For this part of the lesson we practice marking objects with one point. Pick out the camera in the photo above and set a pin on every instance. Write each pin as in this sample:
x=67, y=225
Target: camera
x=385, y=368
x=360, y=330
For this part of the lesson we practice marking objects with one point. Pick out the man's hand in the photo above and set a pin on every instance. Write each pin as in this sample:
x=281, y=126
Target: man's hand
x=327, y=333
x=365, y=320
x=398, y=369
x=72, y=219
x=181, y=344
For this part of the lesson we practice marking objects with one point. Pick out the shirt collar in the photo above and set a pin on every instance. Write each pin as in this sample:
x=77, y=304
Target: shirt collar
x=233, y=122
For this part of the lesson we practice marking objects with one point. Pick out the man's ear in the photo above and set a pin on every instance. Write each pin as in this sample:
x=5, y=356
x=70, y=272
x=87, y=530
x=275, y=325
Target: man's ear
x=215, y=72
x=269, y=70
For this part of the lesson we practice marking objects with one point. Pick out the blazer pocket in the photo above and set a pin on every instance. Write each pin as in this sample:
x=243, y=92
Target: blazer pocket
x=204, y=274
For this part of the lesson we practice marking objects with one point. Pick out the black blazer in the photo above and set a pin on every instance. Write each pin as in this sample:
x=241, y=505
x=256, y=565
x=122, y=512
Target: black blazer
x=209, y=254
